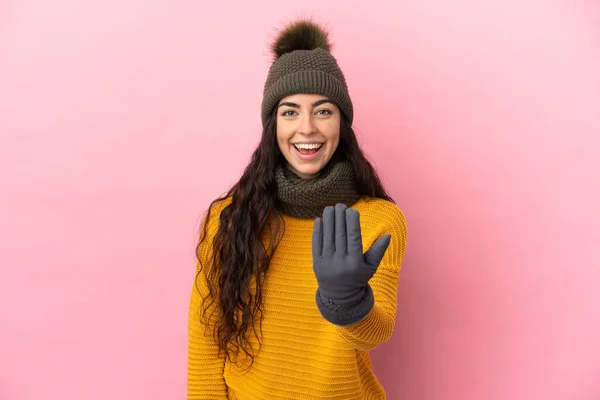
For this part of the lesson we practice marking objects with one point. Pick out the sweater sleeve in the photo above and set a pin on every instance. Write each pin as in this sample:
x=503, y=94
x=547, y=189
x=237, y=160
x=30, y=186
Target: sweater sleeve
x=377, y=327
x=205, y=367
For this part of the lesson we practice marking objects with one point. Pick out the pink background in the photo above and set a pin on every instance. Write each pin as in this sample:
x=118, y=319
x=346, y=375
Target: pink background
x=121, y=120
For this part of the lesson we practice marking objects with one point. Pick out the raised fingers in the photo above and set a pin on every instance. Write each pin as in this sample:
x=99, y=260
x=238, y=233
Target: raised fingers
x=341, y=241
x=353, y=232
x=328, y=230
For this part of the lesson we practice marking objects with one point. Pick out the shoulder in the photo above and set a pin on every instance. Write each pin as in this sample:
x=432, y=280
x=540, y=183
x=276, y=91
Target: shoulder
x=209, y=227
x=380, y=217
x=380, y=211
x=218, y=206
x=213, y=213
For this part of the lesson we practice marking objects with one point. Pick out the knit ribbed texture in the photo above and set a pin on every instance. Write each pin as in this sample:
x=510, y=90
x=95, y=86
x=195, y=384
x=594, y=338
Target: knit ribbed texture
x=307, y=198
x=306, y=71
x=346, y=314
x=303, y=356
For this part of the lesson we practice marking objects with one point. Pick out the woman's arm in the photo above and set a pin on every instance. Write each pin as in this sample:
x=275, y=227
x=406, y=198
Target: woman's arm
x=205, y=367
x=379, y=323
x=370, y=319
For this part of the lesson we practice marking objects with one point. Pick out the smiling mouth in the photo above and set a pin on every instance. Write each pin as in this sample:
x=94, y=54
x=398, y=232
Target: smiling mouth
x=308, y=148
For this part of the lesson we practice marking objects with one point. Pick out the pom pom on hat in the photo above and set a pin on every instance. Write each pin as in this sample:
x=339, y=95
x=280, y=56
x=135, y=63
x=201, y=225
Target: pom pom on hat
x=300, y=35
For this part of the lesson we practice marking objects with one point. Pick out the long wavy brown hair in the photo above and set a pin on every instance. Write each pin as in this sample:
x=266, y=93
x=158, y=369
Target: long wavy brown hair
x=250, y=229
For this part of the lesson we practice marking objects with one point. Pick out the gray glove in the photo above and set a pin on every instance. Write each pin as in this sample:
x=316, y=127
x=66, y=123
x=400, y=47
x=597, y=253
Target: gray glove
x=342, y=270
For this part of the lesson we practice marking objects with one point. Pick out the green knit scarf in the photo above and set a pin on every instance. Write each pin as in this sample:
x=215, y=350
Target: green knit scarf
x=307, y=198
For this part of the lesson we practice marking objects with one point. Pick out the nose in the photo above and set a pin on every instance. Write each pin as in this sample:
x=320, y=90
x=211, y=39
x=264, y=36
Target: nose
x=307, y=125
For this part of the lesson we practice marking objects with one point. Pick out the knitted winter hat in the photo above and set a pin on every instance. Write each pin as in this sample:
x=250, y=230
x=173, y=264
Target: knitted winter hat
x=304, y=64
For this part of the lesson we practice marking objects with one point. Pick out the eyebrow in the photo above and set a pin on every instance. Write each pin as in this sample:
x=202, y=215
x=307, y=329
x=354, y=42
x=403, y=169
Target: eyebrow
x=295, y=105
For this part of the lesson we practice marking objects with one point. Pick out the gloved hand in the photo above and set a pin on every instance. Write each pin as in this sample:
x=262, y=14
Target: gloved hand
x=342, y=270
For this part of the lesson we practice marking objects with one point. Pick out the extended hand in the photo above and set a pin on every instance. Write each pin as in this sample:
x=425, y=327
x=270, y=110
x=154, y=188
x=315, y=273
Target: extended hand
x=341, y=268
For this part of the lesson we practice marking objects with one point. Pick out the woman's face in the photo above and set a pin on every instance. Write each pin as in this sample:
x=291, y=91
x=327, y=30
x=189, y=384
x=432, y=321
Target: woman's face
x=308, y=132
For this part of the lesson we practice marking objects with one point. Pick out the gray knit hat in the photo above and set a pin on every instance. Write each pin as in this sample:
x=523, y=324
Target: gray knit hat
x=304, y=64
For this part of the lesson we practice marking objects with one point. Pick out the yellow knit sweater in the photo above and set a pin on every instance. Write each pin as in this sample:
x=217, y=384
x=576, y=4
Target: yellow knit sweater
x=302, y=355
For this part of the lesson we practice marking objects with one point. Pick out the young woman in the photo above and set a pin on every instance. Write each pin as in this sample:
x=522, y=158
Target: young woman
x=298, y=263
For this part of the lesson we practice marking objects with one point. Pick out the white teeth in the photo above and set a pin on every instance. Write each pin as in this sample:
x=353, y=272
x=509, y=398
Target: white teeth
x=307, y=146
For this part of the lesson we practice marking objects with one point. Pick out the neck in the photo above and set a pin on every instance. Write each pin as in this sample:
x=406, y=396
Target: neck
x=306, y=198
x=304, y=177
